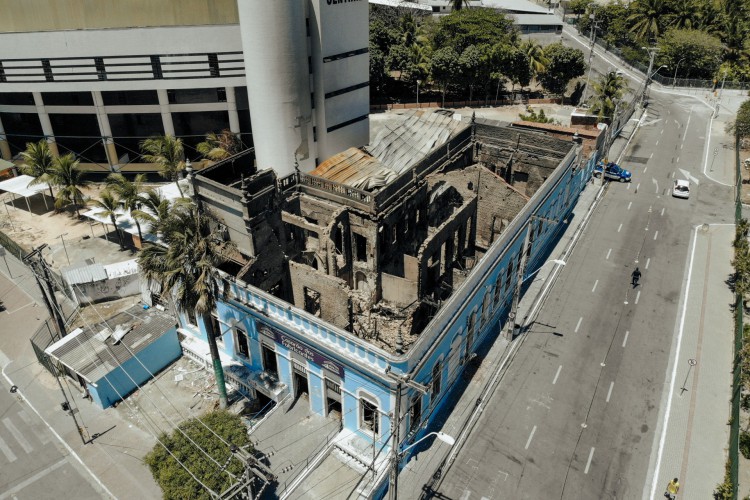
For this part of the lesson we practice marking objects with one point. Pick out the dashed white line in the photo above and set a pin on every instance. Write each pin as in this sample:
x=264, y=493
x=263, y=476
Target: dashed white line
x=657, y=143
x=648, y=261
x=530, y=437
x=629, y=184
x=662, y=211
x=7, y=451
x=591, y=453
x=662, y=131
x=625, y=340
x=645, y=169
x=618, y=229
x=609, y=393
x=595, y=283
x=656, y=234
x=638, y=186
x=630, y=205
x=608, y=252
x=682, y=145
x=578, y=325
x=652, y=154
x=678, y=160
x=637, y=296
x=554, y=381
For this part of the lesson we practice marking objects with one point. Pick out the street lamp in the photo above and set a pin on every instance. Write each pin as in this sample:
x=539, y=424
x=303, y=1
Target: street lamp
x=418, y=82
x=393, y=489
x=674, y=80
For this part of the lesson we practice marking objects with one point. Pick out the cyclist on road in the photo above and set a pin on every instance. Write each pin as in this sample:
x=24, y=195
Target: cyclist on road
x=636, y=276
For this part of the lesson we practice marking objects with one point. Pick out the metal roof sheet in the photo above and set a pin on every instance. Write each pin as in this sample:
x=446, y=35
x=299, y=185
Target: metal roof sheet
x=84, y=273
x=92, y=358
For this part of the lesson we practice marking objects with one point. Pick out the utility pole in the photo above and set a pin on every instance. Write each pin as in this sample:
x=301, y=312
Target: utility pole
x=41, y=272
x=592, y=40
x=652, y=54
x=253, y=469
x=396, y=418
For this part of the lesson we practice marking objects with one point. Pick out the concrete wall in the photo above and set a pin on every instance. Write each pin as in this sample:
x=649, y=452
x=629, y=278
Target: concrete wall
x=50, y=15
x=399, y=290
x=334, y=293
x=111, y=289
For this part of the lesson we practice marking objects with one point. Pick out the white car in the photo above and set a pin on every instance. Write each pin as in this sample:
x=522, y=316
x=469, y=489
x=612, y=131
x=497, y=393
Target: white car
x=681, y=189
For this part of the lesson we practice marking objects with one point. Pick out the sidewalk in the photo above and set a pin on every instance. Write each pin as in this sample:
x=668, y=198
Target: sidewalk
x=418, y=473
x=693, y=428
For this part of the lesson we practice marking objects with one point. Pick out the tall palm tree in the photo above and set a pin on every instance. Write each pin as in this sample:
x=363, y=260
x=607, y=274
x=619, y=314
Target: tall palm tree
x=535, y=54
x=110, y=206
x=648, y=18
x=607, y=91
x=684, y=16
x=219, y=146
x=130, y=194
x=69, y=180
x=155, y=210
x=187, y=270
x=37, y=162
x=168, y=152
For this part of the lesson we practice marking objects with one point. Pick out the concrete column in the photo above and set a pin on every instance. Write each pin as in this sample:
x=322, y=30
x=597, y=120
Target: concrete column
x=4, y=146
x=166, y=115
x=46, y=124
x=104, y=129
x=234, y=118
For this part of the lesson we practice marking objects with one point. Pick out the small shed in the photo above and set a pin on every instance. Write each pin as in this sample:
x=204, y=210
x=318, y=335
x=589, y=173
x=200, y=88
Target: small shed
x=115, y=357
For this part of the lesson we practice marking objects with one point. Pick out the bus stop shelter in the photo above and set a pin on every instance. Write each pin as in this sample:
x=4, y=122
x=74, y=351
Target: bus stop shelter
x=19, y=186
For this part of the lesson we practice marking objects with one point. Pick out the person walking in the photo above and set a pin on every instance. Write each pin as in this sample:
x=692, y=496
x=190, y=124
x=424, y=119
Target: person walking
x=636, y=276
x=672, y=488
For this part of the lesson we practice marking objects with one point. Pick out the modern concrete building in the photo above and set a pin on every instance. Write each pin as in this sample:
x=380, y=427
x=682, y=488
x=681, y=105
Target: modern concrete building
x=397, y=260
x=288, y=76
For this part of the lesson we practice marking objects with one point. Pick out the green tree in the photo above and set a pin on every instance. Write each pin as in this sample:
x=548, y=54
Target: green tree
x=741, y=124
x=69, y=180
x=459, y=4
x=564, y=64
x=466, y=27
x=219, y=146
x=684, y=15
x=168, y=152
x=535, y=55
x=700, y=52
x=579, y=6
x=154, y=211
x=513, y=62
x=607, y=91
x=38, y=162
x=110, y=207
x=129, y=193
x=474, y=66
x=445, y=67
x=187, y=269
x=648, y=18
x=217, y=432
x=400, y=59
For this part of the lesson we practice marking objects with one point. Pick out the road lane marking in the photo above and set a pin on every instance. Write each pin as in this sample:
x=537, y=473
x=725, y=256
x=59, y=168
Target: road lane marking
x=578, y=325
x=637, y=296
x=657, y=143
x=41, y=436
x=630, y=205
x=629, y=184
x=595, y=283
x=682, y=145
x=609, y=393
x=645, y=169
x=656, y=183
x=36, y=477
x=648, y=261
x=656, y=234
x=7, y=451
x=466, y=495
x=662, y=131
x=678, y=160
x=652, y=155
x=662, y=211
x=559, y=368
x=609, y=252
x=530, y=437
x=591, y=455
x=637, y=187
x=625, y=340
x=618, y=229
x=18, y=436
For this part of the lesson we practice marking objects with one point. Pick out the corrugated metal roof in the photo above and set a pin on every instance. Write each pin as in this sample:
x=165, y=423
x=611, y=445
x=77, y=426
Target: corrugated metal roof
x=84, y=273
x=93, y=358
x=123, y=268
x=355, y=168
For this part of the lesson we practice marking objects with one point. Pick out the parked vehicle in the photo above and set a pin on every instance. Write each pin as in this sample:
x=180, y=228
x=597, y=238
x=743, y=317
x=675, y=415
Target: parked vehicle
x=612, y=171
x=681, y=189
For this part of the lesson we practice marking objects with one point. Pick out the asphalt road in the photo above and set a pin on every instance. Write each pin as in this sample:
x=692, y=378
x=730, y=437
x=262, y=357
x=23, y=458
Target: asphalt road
x=575, y=415
x=33, y=462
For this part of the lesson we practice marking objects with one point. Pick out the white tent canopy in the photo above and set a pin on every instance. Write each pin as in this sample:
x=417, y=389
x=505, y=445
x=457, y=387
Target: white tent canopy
x=19, y=186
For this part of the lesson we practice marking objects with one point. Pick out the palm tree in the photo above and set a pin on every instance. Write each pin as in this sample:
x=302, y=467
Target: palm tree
x=37, y=162
x=167, y=152
x=647, y=18
x=607, y=91
x=110, y=206
x=155, y=210
x=69, y=180
x=219, y=146
x=535, y=54
x=187, y=270
x=684, y=16
x=129, y=193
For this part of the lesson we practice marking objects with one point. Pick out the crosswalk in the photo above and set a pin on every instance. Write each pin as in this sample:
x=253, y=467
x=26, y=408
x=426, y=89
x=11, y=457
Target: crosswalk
x=13, y=442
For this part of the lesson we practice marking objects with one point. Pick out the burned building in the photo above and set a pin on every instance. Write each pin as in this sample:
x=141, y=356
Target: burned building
x=401, y=257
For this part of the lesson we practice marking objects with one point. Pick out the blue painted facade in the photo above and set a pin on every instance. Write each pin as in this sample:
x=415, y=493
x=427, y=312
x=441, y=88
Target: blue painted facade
x=126, y=378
